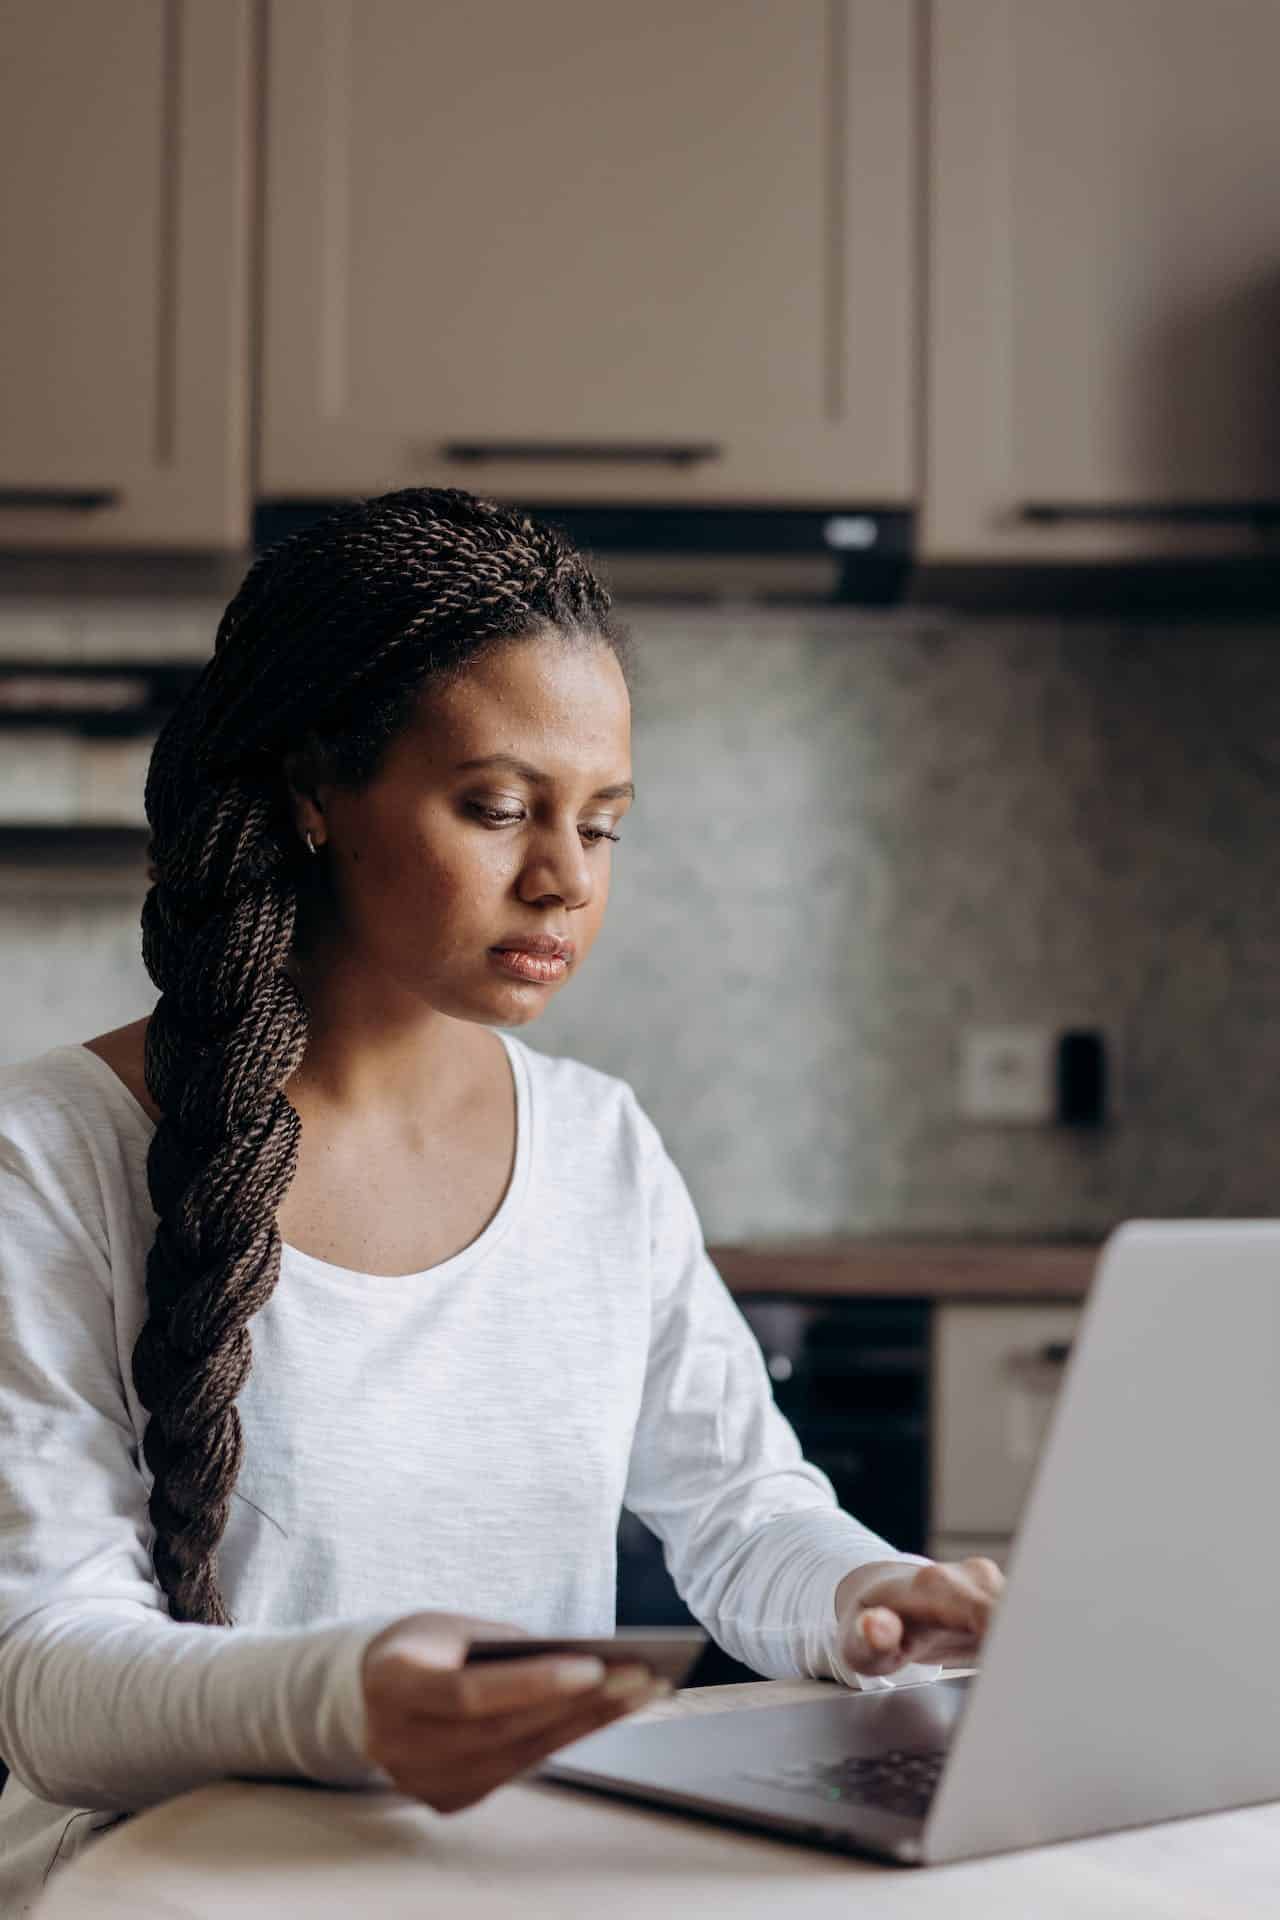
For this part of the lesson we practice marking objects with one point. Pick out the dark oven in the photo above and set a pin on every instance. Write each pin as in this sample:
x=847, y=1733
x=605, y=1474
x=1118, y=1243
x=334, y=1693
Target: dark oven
x=852, y=1378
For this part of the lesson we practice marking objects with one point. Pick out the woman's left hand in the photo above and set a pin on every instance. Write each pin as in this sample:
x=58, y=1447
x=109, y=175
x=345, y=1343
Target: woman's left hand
x=893, y=1612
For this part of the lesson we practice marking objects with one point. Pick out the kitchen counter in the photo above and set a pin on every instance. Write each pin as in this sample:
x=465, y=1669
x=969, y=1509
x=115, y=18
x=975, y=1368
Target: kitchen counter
x=258, y=1850
x=922, y=1269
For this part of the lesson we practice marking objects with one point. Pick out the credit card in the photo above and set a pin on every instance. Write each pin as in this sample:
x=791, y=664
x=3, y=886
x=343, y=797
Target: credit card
x=669, y=1652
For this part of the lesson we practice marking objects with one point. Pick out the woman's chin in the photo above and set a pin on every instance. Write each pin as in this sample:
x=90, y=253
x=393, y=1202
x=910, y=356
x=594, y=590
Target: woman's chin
x=512, y=1005
x=520, y=1009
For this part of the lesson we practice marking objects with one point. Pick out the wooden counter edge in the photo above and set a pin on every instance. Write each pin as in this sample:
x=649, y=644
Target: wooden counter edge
x=939, y=1269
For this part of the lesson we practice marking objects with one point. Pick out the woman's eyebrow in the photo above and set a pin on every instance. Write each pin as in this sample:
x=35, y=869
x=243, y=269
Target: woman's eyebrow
x=621, y=790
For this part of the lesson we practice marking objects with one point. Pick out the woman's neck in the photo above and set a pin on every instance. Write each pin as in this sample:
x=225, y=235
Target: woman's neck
x=372, y=1047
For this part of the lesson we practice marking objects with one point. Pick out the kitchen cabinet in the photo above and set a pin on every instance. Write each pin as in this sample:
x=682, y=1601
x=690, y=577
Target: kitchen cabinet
x=125, y=143
x=83, y=693
x=60, y=779
x=996, y=1369
x=1104, y=280
x=591, y=253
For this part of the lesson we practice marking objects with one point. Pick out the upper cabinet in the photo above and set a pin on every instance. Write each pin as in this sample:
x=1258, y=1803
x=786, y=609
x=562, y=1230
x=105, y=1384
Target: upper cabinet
x=125, y=146
x=586, y=252
x=1104, y=289
x=593, y=252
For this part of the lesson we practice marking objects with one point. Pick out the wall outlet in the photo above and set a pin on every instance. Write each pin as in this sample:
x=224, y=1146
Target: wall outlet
x=1009, y=1074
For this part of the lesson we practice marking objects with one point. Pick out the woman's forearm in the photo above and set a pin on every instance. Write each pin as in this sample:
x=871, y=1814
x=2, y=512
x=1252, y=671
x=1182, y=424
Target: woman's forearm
x=106, y=1708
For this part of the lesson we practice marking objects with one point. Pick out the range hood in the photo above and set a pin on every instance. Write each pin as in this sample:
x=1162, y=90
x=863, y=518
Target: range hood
x=821, y=555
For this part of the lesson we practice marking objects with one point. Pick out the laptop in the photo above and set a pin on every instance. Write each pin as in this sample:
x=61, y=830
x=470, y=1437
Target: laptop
x=1129, y=1674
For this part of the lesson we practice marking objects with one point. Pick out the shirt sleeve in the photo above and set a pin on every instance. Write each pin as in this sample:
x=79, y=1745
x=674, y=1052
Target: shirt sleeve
x=105, y=1701
x=753, y=1536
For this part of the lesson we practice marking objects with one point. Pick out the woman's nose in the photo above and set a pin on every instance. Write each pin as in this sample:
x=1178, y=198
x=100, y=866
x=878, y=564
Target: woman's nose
x=558, y=865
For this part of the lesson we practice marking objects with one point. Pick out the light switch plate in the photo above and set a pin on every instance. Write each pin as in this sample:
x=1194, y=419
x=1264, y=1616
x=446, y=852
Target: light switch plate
x=1007, y=1074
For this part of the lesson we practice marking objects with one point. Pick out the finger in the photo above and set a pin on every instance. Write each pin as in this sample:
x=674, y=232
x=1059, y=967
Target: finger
x=875, y=1643
x=942, y=1596
x=923, y=1645
x=411, y=1688
x=472, y=1776
x=881, y=1629
x=481, y=1744
x=882, y=1640
x=496, y=1735
x=509, y=1686
x=577, y=1725
x=985, y=1573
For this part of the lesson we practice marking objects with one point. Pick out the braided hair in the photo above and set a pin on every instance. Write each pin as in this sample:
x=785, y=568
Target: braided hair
x=329, y=641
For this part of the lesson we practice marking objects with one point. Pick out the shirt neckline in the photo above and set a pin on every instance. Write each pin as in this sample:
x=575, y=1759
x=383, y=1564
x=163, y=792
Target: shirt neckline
x=314, y=1270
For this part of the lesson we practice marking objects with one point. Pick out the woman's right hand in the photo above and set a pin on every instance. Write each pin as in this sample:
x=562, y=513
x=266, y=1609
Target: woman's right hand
x=448, y=1734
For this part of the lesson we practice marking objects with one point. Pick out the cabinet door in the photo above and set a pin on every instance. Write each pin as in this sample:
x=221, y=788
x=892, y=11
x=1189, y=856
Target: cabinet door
x=996, y=1374
x=1104, y=278
x=124, y=228
x=666, y=249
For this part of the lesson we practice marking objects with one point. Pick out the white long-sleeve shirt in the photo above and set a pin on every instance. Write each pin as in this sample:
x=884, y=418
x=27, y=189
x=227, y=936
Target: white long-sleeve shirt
x=461, y=1438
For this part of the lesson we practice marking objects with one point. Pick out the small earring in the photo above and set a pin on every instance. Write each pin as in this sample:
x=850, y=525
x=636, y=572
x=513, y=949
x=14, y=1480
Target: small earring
x=311, y=845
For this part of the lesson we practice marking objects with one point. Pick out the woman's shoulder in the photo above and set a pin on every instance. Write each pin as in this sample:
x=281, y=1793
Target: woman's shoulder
x=55, y=1105
x=73, y=1198
x=586, y=1105
x=123, y=1050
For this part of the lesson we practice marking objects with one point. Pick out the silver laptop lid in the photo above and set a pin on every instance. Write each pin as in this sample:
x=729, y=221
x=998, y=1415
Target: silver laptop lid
x=1130, y=1674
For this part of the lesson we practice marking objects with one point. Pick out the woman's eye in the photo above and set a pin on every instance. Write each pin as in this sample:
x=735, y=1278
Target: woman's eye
x=492, y=813
x=496, y=817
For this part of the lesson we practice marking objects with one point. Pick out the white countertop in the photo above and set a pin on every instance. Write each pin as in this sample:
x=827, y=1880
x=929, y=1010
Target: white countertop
x=540, y=1852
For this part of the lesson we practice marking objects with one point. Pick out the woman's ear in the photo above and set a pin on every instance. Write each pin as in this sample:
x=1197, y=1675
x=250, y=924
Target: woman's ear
x=305, y=772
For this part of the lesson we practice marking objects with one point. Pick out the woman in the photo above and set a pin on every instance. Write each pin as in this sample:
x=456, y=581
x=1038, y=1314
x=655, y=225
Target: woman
x=335, y=1318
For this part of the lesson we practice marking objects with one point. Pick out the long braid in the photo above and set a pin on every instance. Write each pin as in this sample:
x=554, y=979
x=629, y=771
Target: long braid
x=226, y=1035
x=332, y=635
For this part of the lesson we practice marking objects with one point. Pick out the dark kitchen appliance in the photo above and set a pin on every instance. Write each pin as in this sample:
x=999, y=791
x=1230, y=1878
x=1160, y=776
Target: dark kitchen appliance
x=872, y=547
x=852, y=1378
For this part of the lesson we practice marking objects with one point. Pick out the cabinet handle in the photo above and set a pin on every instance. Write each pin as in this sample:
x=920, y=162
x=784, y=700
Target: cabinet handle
x=62, y=499
x=1048, y=513
x=684, y=454
x=1041, y=1365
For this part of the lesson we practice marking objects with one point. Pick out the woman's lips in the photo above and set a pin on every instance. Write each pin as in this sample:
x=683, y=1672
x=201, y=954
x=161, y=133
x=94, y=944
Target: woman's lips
x=542, y=968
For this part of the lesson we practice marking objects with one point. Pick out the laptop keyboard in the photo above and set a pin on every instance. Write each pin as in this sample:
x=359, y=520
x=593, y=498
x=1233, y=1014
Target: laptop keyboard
x=898, y=1782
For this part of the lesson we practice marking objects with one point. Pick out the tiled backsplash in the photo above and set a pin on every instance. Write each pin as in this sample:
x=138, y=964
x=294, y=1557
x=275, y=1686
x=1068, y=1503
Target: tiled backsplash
x=858, y=834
